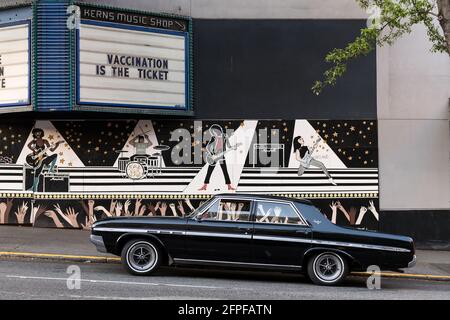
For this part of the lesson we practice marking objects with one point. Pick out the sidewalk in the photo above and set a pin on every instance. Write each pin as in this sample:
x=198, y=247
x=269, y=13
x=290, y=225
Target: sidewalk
x=75, y=245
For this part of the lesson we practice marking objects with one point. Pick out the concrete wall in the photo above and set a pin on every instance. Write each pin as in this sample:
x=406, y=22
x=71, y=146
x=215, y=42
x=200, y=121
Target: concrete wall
x=413, y=112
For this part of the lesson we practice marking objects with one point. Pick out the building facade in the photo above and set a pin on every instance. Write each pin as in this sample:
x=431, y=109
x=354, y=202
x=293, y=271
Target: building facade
x=109, y=111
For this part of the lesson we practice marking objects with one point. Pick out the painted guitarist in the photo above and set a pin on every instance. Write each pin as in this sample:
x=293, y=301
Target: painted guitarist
x=303, y=154
x=39, y=158
x=216, y=149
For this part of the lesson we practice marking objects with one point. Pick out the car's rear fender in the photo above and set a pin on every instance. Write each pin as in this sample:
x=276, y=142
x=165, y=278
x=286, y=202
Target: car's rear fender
x=314, y=250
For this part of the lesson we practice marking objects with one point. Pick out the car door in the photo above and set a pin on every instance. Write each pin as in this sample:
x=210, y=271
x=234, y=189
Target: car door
x=281, y=235
x=221, y=232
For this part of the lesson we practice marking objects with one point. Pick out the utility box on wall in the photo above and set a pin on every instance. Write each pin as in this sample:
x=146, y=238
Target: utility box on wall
x=90, y=58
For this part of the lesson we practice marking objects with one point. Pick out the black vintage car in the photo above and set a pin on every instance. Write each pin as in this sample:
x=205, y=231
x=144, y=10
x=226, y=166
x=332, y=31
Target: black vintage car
x=249, y=231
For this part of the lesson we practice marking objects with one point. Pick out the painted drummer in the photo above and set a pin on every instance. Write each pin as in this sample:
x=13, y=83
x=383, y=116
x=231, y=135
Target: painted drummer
x=141, y=143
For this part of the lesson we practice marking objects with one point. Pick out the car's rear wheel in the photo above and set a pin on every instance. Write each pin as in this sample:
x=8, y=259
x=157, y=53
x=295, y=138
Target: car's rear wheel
x=141, y=257
x=327, y=268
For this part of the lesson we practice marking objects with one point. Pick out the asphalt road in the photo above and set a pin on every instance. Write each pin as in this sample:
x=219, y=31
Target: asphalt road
x=22, y=279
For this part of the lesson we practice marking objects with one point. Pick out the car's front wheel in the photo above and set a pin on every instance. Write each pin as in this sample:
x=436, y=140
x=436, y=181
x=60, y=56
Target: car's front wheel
x=141, y=257
x=327, y=268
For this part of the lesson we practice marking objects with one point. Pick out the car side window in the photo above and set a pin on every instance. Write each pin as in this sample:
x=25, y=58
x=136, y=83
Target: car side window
x=228, y=210
x=276, y=212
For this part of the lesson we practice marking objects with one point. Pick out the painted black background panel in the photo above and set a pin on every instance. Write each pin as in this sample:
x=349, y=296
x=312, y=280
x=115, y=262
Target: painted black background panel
x=428, y=228
x=264, y=69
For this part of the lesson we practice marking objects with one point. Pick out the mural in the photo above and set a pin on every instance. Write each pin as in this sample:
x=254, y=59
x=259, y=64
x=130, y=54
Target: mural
x=68, y=174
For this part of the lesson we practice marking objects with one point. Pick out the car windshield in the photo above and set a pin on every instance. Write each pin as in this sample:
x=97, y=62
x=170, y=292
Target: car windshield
x=200, y=208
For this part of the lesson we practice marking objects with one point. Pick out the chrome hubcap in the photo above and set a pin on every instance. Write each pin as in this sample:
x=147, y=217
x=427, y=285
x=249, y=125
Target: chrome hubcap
x=141, y=257
x=328, y=267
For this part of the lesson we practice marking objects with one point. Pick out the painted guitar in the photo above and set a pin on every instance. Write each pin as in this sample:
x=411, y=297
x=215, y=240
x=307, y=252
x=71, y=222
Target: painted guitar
x=212, y=159
x=35, y=159
x=305, y=161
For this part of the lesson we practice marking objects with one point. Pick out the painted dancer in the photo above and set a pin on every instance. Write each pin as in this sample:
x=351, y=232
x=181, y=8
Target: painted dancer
x=216, y=149
x=303, y=154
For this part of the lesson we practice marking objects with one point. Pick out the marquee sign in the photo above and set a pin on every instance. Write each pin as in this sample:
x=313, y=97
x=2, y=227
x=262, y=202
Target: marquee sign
x=133, y=18
x=15, y=64
x=130, y=64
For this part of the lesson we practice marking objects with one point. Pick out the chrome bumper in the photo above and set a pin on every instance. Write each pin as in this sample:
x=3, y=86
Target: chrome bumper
x=412, y=263
x=98, y=243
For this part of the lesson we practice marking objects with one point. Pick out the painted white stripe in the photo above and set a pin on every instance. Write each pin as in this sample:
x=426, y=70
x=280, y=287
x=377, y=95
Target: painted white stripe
x=11, y=178
x=121, y=189
x=115, y=282
x=309, y=175
x=19, y=171
x=119, y=181
x=307, y=181
x=122, y=175
x=329, y=189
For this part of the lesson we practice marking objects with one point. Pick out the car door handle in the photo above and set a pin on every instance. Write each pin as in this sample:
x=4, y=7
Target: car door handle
x=303, y=231
x=246, y=230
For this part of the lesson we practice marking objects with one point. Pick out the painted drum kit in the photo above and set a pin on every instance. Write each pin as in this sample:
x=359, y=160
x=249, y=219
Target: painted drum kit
x=138, y=166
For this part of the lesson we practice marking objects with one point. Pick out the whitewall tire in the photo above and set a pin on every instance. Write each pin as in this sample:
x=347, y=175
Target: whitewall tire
x=327, y=268
x=141, y=257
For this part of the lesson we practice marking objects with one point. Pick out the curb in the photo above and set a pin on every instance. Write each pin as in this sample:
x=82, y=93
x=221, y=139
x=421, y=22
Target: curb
x=398, y=275
x=100, y=259
x=59, y=257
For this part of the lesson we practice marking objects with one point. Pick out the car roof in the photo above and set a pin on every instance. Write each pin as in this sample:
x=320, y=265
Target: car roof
x=262, y=197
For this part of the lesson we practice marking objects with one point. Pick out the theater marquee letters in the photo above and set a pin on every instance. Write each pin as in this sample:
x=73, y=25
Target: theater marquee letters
x=126, y=66
x=138, y=19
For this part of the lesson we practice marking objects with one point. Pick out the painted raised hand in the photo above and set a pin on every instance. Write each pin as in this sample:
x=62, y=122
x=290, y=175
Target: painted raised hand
x=174, y=209
x=142, y=211
x=52, y=215
x=163, y=209
x=126, y=207
x=342, y=209
x=137, y=206
x=71, y=216
x=88, y=223
x=373, y=210
x=118, y=209
x=20, y=214
x=181, y=208
x=362, y=212
x=334, y=208
x=189, y=204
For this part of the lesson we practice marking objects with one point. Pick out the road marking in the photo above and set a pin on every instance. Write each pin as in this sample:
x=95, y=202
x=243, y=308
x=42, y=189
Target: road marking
x=116, y=282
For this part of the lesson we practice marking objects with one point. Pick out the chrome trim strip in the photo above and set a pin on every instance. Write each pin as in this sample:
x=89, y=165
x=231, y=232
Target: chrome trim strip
x=157, y=231
x=360, y=245
x=412, y=263
x=219, y=235
x=98, y=243
x=258, y=237
x=237, y=263
x=286, y=239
